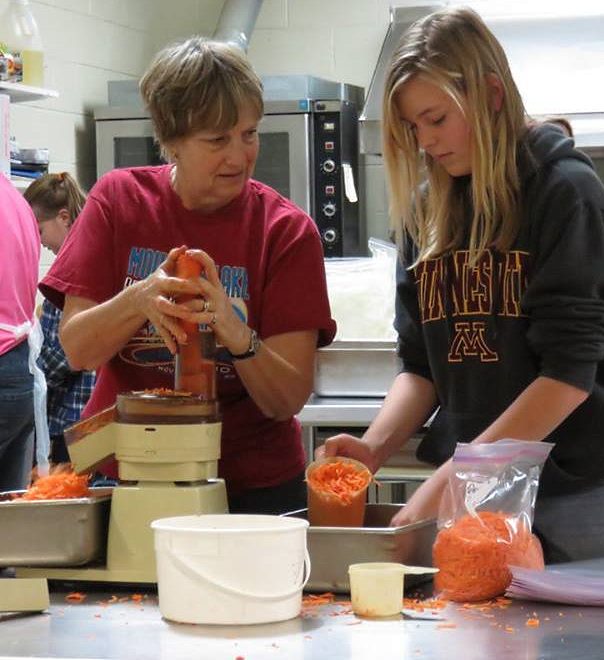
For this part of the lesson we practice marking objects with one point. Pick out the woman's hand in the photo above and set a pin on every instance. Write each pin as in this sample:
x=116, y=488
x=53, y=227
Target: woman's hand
x=154, y=299
x=350, y=447
x=214, y=308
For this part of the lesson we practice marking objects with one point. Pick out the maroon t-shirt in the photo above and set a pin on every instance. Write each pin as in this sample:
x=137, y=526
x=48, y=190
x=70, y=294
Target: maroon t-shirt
x=270, y=260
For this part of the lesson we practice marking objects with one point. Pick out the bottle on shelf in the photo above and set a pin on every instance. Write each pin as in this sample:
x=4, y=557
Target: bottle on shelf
x=19, y=31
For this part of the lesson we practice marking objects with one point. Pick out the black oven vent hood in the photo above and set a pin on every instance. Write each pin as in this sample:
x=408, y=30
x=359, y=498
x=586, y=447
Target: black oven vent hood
x=370, y=134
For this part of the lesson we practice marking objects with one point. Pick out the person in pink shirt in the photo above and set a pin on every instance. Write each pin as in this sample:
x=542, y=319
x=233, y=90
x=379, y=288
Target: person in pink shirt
x=19, y=257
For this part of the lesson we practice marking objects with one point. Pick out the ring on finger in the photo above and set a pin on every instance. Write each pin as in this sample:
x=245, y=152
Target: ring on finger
x=207, y=306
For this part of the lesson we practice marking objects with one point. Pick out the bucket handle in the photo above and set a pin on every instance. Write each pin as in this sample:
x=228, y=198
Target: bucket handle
x=191, y=572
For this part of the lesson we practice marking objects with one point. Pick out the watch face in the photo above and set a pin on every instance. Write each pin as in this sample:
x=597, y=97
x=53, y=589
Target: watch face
x=254, y=342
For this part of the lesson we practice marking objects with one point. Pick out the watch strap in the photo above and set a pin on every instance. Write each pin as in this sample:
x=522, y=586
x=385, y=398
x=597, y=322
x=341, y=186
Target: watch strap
x=252, y=349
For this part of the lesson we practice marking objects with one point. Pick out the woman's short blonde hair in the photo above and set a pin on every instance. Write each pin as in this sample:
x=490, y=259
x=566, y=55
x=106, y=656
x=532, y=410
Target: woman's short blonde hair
x=454, y=50
x=199, y=85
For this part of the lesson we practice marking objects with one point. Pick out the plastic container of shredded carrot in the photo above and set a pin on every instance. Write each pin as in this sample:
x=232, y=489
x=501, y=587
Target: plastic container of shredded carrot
x=474, y=553
x=337, y=492
x=61, y=485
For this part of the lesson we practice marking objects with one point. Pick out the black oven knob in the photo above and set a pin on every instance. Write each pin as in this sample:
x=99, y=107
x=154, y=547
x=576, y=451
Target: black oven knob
x=329, y=165
x=329, y=209
x=330, y=235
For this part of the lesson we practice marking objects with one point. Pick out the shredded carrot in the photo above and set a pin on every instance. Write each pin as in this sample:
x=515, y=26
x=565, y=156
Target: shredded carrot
x=343, y=480
x=164, y=392
x=423, y=605
x=473, y=555
x=58, y=486
x=533, y=623
x=312, y=600
x=75, y=597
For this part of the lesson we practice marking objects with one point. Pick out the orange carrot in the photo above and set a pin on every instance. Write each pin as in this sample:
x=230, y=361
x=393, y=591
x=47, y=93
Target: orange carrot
x=58, y=486
x=187, y=268
x=473, y=555
x=340, y=479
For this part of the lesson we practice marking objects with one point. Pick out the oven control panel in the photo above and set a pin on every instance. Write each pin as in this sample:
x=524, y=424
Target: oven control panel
x=335, y=146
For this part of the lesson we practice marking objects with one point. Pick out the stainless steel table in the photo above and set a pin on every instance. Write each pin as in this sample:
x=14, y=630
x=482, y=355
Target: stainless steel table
x=339, y=411
x=128, y=629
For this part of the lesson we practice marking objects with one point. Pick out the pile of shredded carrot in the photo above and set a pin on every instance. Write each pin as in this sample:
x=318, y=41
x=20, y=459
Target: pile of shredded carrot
x=164, y=392
x=59, y=485
x=343, y=480
x=473, y=555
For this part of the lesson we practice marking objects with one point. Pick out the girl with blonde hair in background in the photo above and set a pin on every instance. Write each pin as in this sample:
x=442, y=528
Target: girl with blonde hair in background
x=500, y=291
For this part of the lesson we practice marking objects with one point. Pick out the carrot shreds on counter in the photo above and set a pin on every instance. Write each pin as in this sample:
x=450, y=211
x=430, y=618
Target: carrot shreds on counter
x=474, y=553
x=58, y=486
x=75, y=597
x=533, y=623
x=424, y=605
x=340, y=479
x=314, y=600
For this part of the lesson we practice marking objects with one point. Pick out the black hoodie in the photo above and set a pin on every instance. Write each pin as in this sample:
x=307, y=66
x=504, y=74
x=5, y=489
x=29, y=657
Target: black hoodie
x=482, y=334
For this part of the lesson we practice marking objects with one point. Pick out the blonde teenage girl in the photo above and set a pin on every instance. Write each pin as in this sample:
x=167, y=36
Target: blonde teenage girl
x=500, y=293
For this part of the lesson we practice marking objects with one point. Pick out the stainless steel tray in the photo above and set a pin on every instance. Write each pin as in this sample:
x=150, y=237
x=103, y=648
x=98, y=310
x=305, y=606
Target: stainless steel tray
x=333, y=549
x=356, y=368
x=53, y=532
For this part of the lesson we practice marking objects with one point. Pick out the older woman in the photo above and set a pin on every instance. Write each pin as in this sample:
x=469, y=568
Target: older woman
x=264, y=295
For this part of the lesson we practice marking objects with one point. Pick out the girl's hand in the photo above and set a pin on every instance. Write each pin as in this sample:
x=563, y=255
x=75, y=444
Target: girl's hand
x=350, y=447
x=424, y=503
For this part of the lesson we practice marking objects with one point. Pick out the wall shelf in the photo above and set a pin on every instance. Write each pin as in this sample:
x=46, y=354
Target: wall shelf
x=21, y=184
x=20, y=93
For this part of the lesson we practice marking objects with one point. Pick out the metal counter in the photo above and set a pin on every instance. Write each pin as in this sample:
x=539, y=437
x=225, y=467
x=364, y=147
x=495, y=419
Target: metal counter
x=129, y=629
x=339, y=411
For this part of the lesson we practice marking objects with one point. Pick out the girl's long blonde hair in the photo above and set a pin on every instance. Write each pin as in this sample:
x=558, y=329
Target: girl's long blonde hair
x=453, y=49
x=53, y=192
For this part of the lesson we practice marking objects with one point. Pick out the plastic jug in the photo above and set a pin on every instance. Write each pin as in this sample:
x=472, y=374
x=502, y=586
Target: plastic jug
x=19, y=31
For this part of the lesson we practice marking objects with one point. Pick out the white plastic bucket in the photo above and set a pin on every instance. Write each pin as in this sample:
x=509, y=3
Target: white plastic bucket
x=231, y=568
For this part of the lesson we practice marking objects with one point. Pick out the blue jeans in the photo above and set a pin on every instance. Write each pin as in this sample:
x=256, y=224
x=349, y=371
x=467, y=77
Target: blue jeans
x=16, y=418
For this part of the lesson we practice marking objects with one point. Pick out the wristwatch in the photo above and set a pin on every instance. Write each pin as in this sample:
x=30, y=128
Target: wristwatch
x=252, y=349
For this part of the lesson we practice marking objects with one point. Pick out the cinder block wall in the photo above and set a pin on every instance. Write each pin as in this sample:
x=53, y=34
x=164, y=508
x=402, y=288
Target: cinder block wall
x=88, y=42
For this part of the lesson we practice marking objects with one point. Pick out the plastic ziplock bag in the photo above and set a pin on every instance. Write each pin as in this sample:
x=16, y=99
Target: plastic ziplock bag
x=486, y=516
x=362, y=292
